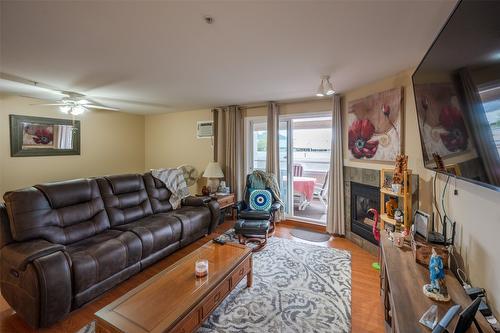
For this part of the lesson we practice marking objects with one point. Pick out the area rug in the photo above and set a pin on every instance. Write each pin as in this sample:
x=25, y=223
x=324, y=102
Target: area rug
x=311, y=236
x=297, y=287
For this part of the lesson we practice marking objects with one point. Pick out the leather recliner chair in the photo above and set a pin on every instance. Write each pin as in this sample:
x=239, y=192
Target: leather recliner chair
x=63, y=244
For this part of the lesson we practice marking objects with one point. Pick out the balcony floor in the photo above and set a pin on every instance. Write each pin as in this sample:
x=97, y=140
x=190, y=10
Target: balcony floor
x=316, y=211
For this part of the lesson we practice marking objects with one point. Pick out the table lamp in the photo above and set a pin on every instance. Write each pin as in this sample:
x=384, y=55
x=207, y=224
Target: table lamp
x=213, y=172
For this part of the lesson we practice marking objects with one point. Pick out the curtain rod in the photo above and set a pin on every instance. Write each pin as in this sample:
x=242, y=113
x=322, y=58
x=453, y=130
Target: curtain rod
x=263, y=105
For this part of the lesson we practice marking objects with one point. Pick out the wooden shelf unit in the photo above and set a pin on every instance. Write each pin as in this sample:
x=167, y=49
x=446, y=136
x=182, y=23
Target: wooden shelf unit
x=405, y=195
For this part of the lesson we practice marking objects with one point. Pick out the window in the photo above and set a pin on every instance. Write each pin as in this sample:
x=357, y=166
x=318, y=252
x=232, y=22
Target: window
x=258, y=145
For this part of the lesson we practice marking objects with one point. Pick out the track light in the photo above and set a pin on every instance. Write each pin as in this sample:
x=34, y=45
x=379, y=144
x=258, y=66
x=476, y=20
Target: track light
x=325, y=88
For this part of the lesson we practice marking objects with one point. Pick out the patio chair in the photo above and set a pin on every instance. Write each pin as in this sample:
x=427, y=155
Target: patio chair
x=321, y=192
x=298, y=170
x=298, y=198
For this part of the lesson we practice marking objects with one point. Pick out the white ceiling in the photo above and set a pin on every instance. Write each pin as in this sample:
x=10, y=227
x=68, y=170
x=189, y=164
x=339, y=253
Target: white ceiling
x=151, y=57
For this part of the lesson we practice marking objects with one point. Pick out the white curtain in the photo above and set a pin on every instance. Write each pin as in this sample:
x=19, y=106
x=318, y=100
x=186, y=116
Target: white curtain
x=63, y=136
x=228, y=146
x=335, y=215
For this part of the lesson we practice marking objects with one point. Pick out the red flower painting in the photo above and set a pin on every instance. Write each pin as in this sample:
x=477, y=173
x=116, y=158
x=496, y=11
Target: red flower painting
x=456, y=139
x=360, y=133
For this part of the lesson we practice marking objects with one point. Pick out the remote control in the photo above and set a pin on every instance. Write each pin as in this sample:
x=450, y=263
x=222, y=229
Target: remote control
x=219, y=240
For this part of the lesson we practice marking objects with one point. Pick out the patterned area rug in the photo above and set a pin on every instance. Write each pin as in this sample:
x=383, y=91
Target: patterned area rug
x=297, y=287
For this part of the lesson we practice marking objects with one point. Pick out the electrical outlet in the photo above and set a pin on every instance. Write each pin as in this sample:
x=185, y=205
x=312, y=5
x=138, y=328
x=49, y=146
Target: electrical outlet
x=455, y=192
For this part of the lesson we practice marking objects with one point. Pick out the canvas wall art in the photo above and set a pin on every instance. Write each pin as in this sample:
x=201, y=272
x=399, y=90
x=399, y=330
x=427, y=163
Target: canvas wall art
x=375, y=126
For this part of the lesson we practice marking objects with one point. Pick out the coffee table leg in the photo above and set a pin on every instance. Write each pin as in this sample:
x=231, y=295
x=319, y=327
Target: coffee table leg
x=250, y=275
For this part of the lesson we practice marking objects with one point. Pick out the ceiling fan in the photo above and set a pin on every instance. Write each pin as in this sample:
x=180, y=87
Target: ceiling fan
x=70, y=103
x=76, y=104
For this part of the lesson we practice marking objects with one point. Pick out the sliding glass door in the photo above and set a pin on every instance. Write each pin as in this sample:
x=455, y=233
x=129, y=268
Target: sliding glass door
x=311, y=146
x=305, y=143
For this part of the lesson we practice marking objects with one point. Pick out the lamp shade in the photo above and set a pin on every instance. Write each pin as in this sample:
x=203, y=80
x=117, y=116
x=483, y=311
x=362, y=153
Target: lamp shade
x=213, y=170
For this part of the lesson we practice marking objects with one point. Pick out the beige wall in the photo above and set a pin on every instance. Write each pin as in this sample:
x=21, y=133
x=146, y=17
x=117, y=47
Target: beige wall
x=171, y=141
x=476, y=209
x=117, y=143
x=111, y=143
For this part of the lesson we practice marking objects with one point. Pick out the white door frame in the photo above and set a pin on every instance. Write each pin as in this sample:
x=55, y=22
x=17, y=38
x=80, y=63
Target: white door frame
x=289, y=117
x=248, y=156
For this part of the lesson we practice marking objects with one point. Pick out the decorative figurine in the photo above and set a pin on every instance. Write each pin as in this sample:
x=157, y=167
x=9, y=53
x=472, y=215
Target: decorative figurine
x=436, y=290
x=398, y=215
x=376, y=235
x=390, y=206
x=399, y=169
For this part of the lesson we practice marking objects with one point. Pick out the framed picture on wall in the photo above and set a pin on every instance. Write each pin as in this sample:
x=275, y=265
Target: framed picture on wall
x=36, y=136
x=375, y=126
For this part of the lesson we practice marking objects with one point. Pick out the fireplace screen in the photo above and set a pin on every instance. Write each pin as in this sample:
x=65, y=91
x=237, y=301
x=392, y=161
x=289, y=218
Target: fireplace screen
x=363, y=204
x=363, y=197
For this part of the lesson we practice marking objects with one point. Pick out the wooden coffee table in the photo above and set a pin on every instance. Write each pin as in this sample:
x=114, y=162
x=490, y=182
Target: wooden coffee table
x=175, y=300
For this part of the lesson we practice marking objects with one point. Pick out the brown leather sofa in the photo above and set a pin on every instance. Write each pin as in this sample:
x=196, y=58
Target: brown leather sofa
x=63, y=244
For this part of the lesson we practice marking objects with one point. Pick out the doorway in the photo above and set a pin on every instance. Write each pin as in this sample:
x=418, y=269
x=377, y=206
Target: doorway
x=305, y=149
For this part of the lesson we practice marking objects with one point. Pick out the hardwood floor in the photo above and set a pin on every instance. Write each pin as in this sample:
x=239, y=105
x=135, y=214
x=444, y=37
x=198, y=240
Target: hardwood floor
x=367, y=314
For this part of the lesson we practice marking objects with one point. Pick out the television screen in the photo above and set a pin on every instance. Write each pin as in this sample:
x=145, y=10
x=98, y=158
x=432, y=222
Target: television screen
x=457, y=95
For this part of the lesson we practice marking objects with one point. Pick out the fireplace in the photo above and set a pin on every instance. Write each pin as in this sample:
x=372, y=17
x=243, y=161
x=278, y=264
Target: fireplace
x=363, y=197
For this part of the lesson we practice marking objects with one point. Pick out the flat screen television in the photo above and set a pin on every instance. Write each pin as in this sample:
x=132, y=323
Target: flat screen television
x=457, y=95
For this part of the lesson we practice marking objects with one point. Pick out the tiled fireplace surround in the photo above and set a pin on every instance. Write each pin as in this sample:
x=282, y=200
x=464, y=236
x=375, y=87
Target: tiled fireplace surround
x=362, y=176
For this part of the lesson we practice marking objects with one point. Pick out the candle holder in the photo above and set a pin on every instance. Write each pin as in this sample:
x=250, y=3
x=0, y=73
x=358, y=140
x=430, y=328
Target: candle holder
x=201, y=268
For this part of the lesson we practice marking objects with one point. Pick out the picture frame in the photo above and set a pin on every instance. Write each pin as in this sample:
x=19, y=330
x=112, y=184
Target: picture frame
x=38, y=136
x=375, y=126
x=422, y=223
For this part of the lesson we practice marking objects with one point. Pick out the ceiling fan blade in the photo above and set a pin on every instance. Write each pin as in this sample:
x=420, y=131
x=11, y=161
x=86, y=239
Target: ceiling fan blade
x=50, y=104
x=92, y=106
x=20, y=80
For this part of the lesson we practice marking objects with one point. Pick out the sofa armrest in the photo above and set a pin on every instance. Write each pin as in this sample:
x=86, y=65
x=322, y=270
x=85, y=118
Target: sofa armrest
x=19, y=255
x=193, y=201
x=214, y=207
x=35, y=280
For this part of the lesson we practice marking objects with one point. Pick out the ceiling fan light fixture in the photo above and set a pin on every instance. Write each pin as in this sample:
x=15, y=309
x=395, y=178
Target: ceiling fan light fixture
x=65, y=109
x=76, y=110
x=83, y=102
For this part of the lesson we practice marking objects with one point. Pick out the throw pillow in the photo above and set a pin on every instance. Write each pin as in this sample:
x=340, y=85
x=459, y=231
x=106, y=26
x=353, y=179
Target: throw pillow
x=260, y=200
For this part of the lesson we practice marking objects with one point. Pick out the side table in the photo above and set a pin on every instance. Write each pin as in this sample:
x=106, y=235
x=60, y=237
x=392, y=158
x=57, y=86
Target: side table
x=226, y=202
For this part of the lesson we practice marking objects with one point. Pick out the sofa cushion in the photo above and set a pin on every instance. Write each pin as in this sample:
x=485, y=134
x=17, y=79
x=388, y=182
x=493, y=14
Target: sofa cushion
x=98, y=257
x=158, y=193
x=62, y=213
x=195, y=220
x=156, y=232
x=125, y=198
